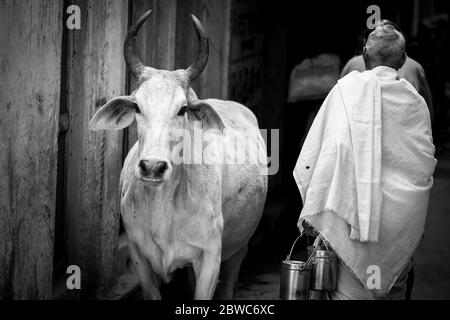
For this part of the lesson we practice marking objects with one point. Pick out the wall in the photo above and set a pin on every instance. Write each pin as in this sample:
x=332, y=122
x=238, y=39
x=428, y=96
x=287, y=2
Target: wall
x=96, y=74
x=30, y=37
x=215, y=18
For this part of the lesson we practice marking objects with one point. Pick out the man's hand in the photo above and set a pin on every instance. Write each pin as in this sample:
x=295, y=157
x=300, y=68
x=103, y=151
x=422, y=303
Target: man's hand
x=309, y=230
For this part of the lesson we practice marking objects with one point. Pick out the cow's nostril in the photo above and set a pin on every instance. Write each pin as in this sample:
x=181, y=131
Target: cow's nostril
x=160, y=168
x=143, y=167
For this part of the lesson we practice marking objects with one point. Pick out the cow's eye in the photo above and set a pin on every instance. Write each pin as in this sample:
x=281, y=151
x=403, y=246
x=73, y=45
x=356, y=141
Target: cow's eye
x=136, y=108
x=182, y=111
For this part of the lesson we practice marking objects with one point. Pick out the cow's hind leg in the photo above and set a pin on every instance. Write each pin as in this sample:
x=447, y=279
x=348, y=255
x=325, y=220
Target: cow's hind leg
x=149, y=280
x=229, y=273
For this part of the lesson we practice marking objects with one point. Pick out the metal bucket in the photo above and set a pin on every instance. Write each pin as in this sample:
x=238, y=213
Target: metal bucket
x=295, y=280
x=324, y=269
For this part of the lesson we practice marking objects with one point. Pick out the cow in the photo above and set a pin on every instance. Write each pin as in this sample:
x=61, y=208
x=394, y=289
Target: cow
x=179, y=214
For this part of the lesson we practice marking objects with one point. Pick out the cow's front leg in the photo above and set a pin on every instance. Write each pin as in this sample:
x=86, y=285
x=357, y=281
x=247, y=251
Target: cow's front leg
x=207, y=273
x=148, y=279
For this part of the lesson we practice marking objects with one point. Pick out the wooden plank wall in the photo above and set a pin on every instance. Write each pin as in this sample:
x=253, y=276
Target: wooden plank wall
x=215, y=17
x=30, y=37
x=96, y=73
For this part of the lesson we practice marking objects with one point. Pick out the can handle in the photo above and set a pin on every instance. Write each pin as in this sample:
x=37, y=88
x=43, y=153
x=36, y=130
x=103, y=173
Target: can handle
x=292, y=248
x=320, y=239
x=293, y=245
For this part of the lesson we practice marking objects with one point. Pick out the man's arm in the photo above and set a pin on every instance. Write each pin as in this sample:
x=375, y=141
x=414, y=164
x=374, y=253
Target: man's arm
x=425, y=92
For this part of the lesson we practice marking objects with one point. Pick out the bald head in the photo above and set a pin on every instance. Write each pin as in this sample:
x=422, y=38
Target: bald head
x=385, y=46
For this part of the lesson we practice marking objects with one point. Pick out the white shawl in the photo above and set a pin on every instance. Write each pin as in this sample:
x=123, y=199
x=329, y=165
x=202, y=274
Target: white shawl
x=365, y=171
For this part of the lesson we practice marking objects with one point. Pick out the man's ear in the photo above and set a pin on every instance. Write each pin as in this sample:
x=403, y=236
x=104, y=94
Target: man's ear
x=365, y=58
x=117, y=114
x=402, y=60
x=205, y=112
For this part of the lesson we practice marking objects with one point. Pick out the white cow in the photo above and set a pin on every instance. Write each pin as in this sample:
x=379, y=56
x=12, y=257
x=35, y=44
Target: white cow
x=180, y=214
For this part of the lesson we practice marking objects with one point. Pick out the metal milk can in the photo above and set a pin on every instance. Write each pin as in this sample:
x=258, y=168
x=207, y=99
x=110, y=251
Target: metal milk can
x=324, y=268
x=295, y=278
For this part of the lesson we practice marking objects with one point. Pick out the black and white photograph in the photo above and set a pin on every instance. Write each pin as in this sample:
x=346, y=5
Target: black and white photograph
x=259, y=155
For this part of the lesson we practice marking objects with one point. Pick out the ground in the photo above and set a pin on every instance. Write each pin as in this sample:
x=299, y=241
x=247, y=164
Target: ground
x=432, y=260
x=261, y=279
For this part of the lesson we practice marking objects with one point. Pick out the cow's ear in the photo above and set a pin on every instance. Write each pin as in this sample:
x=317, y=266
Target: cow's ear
x=117, y=114
x=204, y=111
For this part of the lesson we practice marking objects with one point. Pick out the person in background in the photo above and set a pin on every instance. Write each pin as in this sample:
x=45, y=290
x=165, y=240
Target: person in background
x=365, y=172
x=411, y=70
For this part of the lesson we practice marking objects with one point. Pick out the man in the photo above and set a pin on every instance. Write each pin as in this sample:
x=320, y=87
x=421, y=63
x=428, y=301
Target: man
x=365, y=171
x=411, y=71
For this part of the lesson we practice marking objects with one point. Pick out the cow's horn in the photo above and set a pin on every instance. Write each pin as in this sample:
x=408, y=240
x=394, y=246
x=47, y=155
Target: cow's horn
x=129, y=47
x=203, y=51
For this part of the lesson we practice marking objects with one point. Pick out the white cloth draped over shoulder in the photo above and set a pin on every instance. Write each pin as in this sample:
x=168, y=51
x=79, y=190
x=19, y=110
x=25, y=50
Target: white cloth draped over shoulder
x=365, y=171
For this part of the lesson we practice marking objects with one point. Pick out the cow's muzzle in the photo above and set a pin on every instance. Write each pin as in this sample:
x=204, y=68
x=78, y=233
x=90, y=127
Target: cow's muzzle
x=153, y=170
